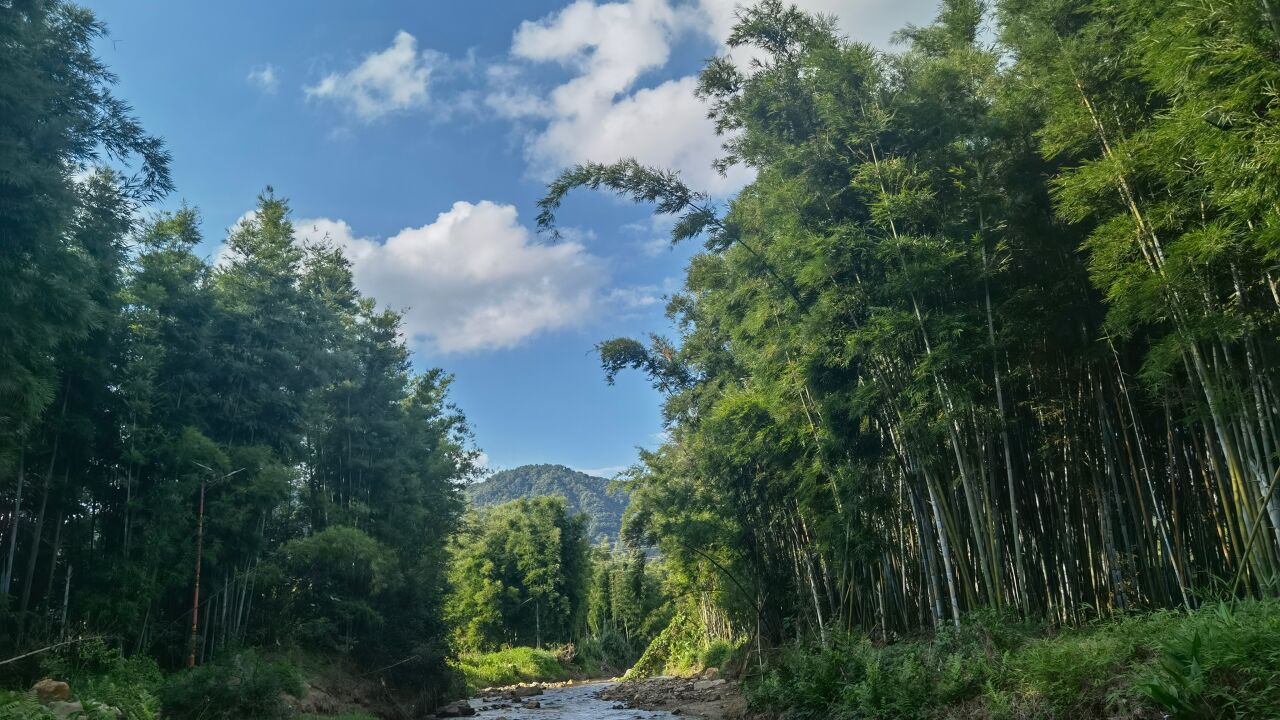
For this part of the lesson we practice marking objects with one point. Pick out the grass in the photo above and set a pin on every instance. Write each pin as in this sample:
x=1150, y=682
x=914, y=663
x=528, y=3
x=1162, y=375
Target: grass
x=348, y=716
x=1219, y=662
x=510, y=666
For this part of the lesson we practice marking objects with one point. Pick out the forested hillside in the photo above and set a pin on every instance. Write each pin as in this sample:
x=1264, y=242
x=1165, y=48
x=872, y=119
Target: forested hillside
x=585, y=494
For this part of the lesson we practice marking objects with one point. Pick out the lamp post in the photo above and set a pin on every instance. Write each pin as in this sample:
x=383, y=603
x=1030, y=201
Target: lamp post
x=195, y=601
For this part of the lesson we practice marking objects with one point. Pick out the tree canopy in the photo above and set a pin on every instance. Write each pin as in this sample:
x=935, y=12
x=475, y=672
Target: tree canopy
x=150, y=401
x=994, y=326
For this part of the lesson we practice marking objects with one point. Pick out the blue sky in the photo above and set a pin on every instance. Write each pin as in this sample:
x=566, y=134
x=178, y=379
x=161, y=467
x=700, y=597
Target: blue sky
x=418, y=136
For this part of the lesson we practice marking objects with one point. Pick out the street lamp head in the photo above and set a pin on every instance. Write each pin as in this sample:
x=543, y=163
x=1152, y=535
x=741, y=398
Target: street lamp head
x=222, y=477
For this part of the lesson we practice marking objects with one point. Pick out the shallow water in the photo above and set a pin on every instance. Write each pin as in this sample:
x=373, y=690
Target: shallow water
x=568, y=703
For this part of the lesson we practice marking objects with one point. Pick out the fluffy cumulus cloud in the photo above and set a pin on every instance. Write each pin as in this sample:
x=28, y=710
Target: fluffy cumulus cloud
x=600, y=113
x=393, y=79
x=473, y=279
x=604, y=111
x=265, y=77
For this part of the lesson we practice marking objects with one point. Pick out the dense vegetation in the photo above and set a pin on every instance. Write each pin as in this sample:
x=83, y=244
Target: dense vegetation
x=519, y=576
x=584, y=493
x=1218, y=662
x=522, y=575
x=994, y=328
x=140, y=386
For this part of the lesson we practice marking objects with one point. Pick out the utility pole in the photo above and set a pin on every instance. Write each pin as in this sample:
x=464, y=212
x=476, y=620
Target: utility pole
x=195, y=600
x=537, y=618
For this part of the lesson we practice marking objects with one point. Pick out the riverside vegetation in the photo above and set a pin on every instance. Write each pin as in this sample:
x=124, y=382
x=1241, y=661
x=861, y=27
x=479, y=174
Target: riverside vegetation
x=972, y=406
x=992, y=331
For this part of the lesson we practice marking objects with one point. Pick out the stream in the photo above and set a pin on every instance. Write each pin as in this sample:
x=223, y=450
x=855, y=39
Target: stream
x=577, y=702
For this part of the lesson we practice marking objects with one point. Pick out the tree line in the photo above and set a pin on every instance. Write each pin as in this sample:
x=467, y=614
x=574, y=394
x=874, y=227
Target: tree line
x=993, y=327
x=523, y=574
x=151, y=401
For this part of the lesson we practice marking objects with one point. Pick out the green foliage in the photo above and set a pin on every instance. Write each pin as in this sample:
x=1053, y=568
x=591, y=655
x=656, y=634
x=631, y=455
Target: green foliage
x=854, y=678
x=101, y=674
x=627, y=605
x=993, y=328
x=1223, y=662
x=509, y=666
x=243, y=686
x=1215, y=663
x=991, y=334
x=592, y=496
x=685, y=646
x=334, y=580
x=139, y=382
x=607, y=653
x=23, y=706
x=519, y=576
x=61, y=116
x=717, y=654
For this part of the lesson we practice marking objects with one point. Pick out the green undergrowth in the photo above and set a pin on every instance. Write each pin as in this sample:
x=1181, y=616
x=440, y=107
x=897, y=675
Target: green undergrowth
x=683, y=648
x=110, y=686
x=601, y=656
x=510, y=666
x=100, y=678
x=1218, y=662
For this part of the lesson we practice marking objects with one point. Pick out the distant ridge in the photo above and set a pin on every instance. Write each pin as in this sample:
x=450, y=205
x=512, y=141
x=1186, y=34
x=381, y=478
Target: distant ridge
x=584, y=493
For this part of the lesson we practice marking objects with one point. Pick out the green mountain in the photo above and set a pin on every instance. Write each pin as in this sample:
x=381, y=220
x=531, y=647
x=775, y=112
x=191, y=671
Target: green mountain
x=585, y=493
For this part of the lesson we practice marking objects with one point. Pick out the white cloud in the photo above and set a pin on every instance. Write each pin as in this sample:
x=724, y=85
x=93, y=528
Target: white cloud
x=610, y=45
x=474, y=279
x=393, y=79
x=653, y=237
x=599, y=114
x=265, y=78
x=664, y=126
x=608, y=472
x=640, y=297
x=510, y=96
x=605, y=113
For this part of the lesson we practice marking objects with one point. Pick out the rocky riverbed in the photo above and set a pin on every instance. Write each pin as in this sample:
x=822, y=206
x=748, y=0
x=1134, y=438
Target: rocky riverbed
x=650, y=699
x=708, y=697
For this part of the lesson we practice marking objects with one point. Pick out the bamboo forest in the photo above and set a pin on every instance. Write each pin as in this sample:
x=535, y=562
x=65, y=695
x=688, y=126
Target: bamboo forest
x=969, y=403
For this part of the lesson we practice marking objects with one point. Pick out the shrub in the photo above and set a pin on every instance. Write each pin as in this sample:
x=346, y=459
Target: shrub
x=242, y=687
x=1074, y=670
x=22, y=706
x=608, y=652
x=1219, y=662
x=1223, y=662
x=335, y=578
x=510, y=666
x=680, y=649
x=99, y=674
x=717, y=653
